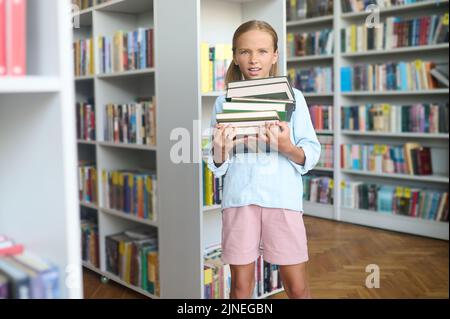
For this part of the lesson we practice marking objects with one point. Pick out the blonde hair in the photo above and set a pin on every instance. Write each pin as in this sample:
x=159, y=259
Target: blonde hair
x=233, y=72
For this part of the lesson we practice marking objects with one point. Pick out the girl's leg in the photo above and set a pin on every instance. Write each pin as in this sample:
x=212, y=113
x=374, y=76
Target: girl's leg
x=242, y=281
x=294, y=281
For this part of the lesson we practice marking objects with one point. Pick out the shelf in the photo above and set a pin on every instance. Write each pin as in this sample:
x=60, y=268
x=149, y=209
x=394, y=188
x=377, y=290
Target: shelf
x=79, y=141
x=130, y=146
x=325, y=132
x=402, y=135
x=395, y=93
x=124, y=215
x=318, y=210
x=30, y=84
x=126, y=73
x=90, y=266
x=84, y=78
x=310, y=21
x=213, y=94
x=407, y=224
x=423, y=178
x=323, y=169
x=124, y=283
x=212, y=208
x=268, y=294
x=307, y=58
x=89, y=205
x=125, y=6
x=312, y=94
x=395, y=9
x=436, y=47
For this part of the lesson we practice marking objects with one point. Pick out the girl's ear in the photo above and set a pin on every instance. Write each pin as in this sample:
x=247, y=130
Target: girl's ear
x=275, y=57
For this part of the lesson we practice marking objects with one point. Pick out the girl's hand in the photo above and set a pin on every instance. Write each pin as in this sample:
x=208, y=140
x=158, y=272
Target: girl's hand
x=278, y=136
x=223, y=142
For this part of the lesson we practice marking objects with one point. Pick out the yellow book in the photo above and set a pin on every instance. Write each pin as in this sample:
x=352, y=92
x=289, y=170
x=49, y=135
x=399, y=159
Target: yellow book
x=208, y=186
x=208, y=276
x=204, y=66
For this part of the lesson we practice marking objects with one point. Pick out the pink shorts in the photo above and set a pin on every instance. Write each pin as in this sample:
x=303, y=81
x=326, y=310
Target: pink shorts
x=279, y=232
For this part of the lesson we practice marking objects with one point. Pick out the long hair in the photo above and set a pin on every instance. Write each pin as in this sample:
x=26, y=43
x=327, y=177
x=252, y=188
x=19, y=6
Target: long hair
x=233, y=72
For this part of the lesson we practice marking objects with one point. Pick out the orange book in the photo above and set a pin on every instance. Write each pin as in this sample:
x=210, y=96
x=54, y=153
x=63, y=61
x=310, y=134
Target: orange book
x=15, y=37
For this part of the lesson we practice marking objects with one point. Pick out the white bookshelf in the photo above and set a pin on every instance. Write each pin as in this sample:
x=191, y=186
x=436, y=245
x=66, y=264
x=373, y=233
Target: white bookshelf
x=38, y=162
x=438, y=181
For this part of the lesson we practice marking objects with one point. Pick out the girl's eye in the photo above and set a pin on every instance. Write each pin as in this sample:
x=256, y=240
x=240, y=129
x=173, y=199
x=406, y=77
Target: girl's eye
x=244, y=52
x=263, y=51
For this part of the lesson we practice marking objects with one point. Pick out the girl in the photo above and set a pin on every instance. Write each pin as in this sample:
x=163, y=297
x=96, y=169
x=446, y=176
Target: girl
x=262, y=199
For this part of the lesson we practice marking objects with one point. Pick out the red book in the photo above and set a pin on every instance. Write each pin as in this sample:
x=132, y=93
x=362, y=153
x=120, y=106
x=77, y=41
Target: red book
x=16, y=37
x=2, y=37
x=424, y=161
x=14, y=249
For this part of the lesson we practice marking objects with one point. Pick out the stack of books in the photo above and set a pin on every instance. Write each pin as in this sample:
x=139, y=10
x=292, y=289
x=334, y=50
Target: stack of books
x=250, y=104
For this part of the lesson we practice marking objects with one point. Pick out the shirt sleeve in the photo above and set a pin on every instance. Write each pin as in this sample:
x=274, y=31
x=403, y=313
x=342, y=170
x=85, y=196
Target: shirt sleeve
x=304, y=135
x=222, y=169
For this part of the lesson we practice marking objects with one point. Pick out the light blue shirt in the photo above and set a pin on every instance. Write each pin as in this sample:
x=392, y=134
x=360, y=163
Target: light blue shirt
x=269, y=180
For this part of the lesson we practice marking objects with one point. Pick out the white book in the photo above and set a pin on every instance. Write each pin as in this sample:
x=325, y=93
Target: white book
x=254, y=106
x=247, y=116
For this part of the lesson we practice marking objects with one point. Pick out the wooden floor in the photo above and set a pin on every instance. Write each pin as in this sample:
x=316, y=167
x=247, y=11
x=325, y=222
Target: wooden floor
x=410, y=266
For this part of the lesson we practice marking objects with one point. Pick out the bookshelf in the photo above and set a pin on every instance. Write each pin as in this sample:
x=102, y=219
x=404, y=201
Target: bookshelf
x=434, y=52
x=38, y=160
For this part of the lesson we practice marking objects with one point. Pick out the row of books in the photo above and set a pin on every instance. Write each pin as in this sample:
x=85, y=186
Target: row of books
x=85, y=120
x=132, y=192
x=361, y=5
x=410, y=158
x=214, y=63
x=133, y=123
x=87, y=181
x=394, y=33
x=420, y=118
x=302, y=9
x=89, y=237
x=84, y=4
x=321, y=116
x=398, y=200
x=83, y=57
x=397, y=76
x=125, y=51
x=13, y=37
x=313, y=79
x=318, y=189
x=212, y=187
x=217, y=276
x=25, y=275
x=326, y=158
x=312, y=43
x=133, y=256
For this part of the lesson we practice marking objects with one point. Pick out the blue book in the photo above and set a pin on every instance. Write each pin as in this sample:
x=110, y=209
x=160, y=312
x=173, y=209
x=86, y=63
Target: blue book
x=346, y=79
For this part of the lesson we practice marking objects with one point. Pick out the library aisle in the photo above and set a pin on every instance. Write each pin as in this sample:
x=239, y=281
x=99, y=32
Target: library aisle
x=105, y=136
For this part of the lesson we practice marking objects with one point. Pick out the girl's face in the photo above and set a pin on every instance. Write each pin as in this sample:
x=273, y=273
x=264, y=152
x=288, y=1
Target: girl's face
x=255, y=54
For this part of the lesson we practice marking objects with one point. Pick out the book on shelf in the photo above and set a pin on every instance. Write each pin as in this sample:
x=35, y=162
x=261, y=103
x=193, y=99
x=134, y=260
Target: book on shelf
x=440, y=72
x=308, y=44
x=132, y=192
x=302, y=9
x=85, y=4
x=85, y=117
x=318, y=189
x=89, y=237
x=24, y=275
x=83, y=57
x=326, y=158
x=133, y=123
x=411, y=158
x=87, y=181
x=126, y=51
x=397, y=200
x=13, y=37
x=361, y=5
x=312, y=80
x=384, y=117
x=212, y=187
x=395, y=32
x=214, y=63
x=396, y=76
x=321, y=116
x=133, y=256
